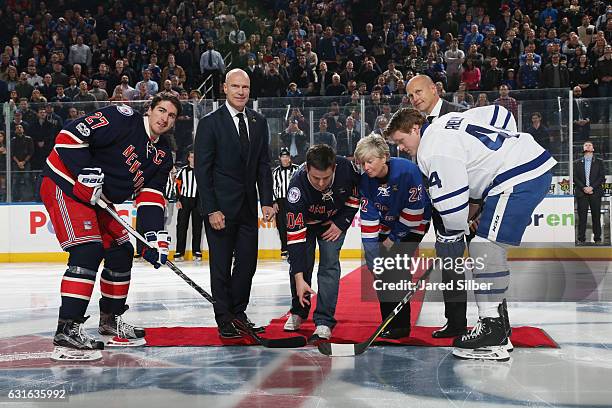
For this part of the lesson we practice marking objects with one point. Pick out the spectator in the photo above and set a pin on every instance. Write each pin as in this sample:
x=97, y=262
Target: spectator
x=47, y=88
x=22, y=149
x=152, y=86
x=23, y=88
x=348, y=74
x=296, y=141
x=603, y=75
x=99, y=93
x=123, y=87
x=473, y=37
x=540, y=133
x=212, y=64
x=471, y=75
x=555, y=74
x=42, y=136
x=84, y=100
x=80, y=53
x=507, y=101
x=336, y=88
x=482, y=100
x=493, y=77
x=582, y=116
x=529, y=74
x=324, y=78
x=293, y=91
x=171, y=69
x=347, y=139
x=301, y=73
x=323, y=136
x=454, y=58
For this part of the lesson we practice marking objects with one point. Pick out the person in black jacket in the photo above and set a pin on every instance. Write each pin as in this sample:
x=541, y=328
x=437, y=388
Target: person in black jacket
x=232, y=164
x=423, y=95
x=589, y=174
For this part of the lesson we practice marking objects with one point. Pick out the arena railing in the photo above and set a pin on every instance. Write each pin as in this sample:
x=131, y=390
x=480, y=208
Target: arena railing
x=563, y=140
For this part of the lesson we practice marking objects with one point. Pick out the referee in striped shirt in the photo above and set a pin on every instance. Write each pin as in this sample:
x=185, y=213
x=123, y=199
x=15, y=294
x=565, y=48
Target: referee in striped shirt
x=281, y=177
x=188, y=204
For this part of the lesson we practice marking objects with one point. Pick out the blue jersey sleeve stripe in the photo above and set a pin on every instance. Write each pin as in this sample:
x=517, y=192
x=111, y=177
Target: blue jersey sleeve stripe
x=450, y=195
x=523, y=168
x=491, y=275
x=508, y=116
x=452, y=210
x=495, y=113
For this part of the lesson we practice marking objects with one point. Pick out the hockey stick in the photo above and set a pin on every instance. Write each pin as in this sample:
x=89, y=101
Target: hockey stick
x=290, y=342
x=348, y=350
x=139, y=237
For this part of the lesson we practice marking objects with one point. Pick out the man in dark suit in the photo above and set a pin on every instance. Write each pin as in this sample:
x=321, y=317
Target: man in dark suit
x=423, y=95
x=347, y=139
x=231, y=164
x=589, y=174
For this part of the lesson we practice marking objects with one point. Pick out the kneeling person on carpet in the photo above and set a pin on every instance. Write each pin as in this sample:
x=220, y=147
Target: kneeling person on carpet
x=469, y=156
x=395, y=213
x=321, y=204
x=110, y=154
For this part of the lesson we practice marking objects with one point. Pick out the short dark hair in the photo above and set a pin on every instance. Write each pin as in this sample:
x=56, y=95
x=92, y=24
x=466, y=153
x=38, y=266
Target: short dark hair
x=320, y=157
x=167, y=96
x=404, y=120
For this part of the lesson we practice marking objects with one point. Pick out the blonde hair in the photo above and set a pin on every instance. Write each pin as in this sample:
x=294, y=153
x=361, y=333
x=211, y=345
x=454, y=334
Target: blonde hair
x=371, y=146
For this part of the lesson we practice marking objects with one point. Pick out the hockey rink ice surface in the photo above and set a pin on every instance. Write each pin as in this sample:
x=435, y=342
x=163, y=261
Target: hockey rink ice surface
x=579, y=373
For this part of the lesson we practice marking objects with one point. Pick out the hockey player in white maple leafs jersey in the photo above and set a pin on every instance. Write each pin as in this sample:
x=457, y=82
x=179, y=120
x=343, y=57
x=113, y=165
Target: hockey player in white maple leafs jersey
x=111, y=154
x=478, y=154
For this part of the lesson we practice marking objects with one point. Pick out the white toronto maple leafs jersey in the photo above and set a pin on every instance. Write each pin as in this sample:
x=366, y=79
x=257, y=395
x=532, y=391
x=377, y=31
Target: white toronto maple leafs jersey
x=475, y=154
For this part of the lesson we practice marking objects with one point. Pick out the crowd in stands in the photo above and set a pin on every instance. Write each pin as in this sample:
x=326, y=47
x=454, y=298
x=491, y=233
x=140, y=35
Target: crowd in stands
x=57, y=53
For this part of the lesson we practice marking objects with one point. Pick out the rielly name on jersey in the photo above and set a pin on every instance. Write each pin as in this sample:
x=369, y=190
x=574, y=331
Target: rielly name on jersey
x=308, y=207
x=115, y=139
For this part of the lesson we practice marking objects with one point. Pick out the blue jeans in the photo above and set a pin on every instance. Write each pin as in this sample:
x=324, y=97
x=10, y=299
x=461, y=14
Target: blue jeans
x=328, y=277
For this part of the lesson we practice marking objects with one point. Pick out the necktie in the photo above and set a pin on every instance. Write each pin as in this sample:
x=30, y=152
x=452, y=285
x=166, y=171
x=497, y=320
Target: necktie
x=244, y=136
x=587, y=172
x=431, y=118
x=350, y=142
x=210, y=61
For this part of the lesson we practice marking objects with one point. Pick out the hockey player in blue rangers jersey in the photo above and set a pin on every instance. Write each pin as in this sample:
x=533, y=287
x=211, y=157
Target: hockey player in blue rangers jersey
x=321, y=204
x=476, y=155
x=395, y=214
x=110, y=154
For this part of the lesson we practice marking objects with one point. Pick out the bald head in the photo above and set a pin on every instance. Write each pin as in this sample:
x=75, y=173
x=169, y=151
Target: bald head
x=237, y=87
x=422, y=93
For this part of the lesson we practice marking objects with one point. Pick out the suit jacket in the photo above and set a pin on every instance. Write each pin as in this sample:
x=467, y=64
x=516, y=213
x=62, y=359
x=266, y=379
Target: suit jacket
x=343, y=148
x=450, y=107
x=224, y=179
x=597, y=176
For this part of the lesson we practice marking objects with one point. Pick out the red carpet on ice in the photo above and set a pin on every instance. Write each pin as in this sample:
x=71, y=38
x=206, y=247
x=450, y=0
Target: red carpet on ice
x=357, y=320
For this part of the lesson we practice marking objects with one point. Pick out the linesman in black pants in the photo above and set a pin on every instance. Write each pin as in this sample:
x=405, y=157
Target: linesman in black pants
x=188, y=204
x=281, y=176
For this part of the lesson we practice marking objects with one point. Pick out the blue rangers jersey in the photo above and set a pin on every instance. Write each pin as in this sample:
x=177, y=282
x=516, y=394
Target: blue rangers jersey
x=308, y=208
x=396, y=207
x=475, y=154
x=115, y=139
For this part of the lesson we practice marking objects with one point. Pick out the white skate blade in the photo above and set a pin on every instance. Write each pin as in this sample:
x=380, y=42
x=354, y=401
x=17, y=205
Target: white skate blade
x=494, y=353
x=509, y=347
x=117, y=341
x=69, y=354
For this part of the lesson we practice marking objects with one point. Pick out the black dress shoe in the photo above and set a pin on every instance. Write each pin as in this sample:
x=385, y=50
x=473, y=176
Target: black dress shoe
x=396, y=333
x=229, y=331
x=447, y=331
x=256, y=329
